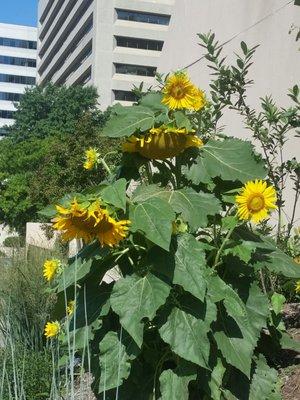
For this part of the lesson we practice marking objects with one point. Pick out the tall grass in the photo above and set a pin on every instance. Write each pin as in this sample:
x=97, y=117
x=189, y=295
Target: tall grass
x=29, y=366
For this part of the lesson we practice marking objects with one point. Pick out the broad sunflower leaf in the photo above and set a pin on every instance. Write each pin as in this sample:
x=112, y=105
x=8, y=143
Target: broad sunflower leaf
x=182, y=121
x=231, y=159
x=126, y=122
x=238, y=328
x=115, y=194
x=243, y=251
x=268, y=255
x=194, y=207
x=190, y=266
x=134, y=298
x=145, y=192
x=153, y=100
x=186, y=331
x=264, y=380
x=174, y=383
x=116, y=354
x=154, y=218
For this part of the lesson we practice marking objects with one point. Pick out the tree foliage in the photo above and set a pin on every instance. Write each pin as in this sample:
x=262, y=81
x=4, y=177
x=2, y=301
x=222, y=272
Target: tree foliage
x=42, y=156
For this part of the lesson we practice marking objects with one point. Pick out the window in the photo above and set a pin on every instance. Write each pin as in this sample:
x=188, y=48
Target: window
x=6, y=114
x=24, y=44
x=24, y=62
x=23, y=80
x=136, y=43
x=123, y=95
x=137, y=16
x=130, y=69
x=10, y=96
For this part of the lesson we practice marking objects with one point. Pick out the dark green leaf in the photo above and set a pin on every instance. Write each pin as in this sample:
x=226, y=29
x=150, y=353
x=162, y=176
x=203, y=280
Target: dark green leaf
x=135, y=118
x=115, y=194
x=134, y=298
x=154, y=218
x=264, y=381
x=174, y=384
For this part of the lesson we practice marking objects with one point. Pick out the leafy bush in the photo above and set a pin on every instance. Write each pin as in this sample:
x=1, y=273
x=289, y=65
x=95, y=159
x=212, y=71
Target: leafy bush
x=187, y=316
x=27, y=374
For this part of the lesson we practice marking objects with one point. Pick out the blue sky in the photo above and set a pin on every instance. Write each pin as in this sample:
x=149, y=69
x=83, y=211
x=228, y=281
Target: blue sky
x=21, y=12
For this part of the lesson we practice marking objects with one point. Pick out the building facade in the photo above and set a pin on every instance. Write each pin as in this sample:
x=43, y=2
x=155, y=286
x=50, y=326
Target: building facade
x=17, y=68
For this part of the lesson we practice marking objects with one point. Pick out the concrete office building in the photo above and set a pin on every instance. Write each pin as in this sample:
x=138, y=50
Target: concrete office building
x=17, y=67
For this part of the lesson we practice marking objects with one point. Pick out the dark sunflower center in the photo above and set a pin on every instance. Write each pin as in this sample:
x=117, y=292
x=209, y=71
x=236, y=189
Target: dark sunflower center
x=178, y=91
x=256, y=202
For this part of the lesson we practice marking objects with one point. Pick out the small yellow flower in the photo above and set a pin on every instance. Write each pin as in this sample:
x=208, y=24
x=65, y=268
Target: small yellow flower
x=297, y=287
x=179, y=92
x=91, y=158
x=161, y=143
x=52, y=329
x=89, y=222
x=179, y=226
x=297, y=260
x=70, y=307
x=255, y=201
x=50, y=268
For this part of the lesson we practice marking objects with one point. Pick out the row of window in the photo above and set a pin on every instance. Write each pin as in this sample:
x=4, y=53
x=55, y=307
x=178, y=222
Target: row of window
x=130, y=69
x=3, y=131
x=137, y=16
x=136, y=43
x=23, y=62
x=10, y=96
x=6, y=114
x=24, y=44
x=24, y=80
x=124, y=95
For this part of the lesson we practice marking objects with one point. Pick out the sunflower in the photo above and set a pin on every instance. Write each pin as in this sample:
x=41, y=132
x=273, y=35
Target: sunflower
x=70, y=307
x=52, y=329
x=163, y=142
x=255, y=201
x=297, y=287
x=50, y=268
x=89, y=222
x=91, y=158
x=179, y=92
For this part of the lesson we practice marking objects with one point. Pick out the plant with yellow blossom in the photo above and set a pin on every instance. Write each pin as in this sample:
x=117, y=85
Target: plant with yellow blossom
x=52, y=329
x=50, y=269
x=167, y=276
x=91, y=158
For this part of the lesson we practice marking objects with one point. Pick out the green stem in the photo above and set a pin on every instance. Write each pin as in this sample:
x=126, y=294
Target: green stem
x=227, y=237
x=105, y=165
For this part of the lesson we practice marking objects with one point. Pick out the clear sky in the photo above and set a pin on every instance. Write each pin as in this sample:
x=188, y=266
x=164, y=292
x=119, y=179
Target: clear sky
x=20, y=12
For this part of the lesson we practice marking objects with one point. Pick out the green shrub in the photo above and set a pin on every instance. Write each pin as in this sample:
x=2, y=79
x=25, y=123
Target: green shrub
x=13, y=241
x=27, y=374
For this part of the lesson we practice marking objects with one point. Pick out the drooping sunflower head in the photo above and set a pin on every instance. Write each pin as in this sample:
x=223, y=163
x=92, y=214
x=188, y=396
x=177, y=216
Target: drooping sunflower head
x=161, y=143
x=91, y=158
x=52, y=329
x=179, y=93
x=90, y=221
x=255, y=201
x=50, y=268
x=297, y=287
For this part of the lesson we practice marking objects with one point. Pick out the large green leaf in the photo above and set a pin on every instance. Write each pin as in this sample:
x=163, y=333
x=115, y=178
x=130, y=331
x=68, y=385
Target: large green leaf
x=194, y=207
x=128, y=121
x=174, y=383
x=186, y=332
x=116, y=353
x=134, y=298
x=231, y=159
x=264, y=381
x=190, y=266
x=238, y=328
x=115, y=194
x=154, y=218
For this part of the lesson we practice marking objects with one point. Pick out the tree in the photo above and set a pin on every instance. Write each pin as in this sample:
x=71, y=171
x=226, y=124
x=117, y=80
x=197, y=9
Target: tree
x=41, y=158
